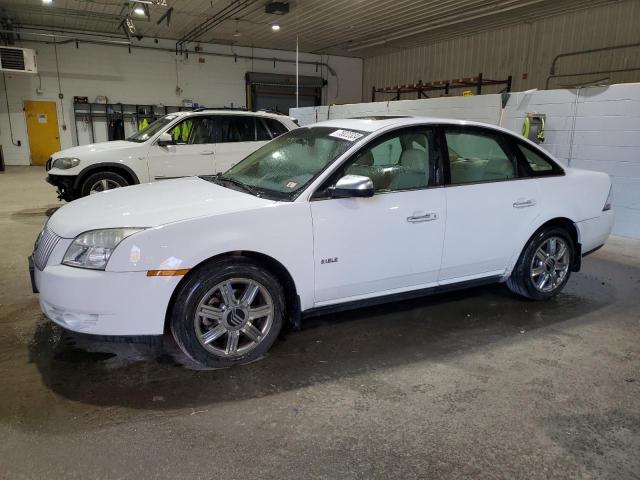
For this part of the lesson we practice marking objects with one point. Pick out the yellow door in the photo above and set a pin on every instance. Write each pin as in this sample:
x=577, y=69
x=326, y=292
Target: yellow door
x=42, y=126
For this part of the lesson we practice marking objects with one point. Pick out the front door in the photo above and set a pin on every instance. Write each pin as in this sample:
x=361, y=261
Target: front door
x=490, y=205
x=42, y=127
x=192, y=151
x=388, y=243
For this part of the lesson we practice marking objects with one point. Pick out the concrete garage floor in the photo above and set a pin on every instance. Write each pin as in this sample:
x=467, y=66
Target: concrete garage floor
x=476, y=384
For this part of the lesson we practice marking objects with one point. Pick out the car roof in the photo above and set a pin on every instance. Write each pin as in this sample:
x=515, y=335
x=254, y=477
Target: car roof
x=375, y=123
x=230, y=111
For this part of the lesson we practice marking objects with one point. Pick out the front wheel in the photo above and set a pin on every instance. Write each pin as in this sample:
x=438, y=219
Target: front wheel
x=101, y=182
x=227, y=312
x=544, y=267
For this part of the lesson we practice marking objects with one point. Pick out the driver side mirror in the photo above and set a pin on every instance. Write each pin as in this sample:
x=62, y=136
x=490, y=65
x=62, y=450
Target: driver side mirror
x=353, y=186
x=165, y=139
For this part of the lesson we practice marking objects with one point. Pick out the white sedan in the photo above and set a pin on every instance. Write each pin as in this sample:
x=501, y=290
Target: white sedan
x=330, y=216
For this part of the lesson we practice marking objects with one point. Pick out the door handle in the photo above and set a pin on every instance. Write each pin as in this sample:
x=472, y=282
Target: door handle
x=206, y=152
x=521, y=203
x=427, y=217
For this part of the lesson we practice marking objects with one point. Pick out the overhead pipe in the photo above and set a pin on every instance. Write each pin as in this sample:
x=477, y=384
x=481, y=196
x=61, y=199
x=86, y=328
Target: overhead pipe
x=596, y=72
x=552, y=70
x=127, y=44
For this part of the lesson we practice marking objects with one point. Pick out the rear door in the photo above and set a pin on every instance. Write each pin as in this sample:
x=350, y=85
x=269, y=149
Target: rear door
x=491, y=203
x=236, y=137
x=192, y=152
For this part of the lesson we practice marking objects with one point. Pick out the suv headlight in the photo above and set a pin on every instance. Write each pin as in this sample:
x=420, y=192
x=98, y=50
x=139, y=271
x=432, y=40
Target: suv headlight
x=92, y=249
x=65, y=163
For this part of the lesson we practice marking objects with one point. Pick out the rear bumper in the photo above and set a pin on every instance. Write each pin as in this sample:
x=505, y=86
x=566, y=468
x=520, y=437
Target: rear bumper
x=65, y=185
x=595, y=231
x=104, y=303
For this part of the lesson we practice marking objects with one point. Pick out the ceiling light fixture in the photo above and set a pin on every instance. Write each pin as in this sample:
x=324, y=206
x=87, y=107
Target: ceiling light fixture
x=237, y=33
x=130, y=26
x=139, y=10
x=275, y=27
x=47, y=2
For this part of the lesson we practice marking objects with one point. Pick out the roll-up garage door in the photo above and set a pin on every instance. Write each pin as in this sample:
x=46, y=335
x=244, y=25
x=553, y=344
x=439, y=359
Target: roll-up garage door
x=270, y=91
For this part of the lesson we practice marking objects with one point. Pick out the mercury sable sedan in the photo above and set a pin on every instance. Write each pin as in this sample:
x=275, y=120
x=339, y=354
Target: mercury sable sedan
x=330, y=216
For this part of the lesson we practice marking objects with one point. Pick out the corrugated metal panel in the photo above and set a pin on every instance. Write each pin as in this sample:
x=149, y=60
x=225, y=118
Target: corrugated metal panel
x=523, y=48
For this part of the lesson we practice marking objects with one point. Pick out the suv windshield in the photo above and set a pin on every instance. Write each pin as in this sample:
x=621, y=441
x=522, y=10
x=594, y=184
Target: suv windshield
x=284, y=166
x=153, y=128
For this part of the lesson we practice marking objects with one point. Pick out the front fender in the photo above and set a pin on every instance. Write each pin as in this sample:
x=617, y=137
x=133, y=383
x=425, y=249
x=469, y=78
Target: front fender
x=281, y=231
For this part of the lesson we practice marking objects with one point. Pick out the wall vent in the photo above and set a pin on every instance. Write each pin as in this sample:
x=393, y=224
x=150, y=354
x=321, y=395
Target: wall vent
x=18, y=60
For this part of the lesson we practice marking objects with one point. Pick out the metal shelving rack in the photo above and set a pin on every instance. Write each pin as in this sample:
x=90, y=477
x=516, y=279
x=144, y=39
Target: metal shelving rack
x=421, y=88
x=90, y=112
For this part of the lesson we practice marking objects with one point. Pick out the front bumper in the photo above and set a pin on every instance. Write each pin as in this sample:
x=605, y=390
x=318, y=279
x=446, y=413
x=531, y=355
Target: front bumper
x=65, y=185
x=102, y=302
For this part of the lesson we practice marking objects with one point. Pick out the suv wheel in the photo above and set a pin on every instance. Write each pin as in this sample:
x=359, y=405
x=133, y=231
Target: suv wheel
x=102, y=181
x=544, y=266
x=227, y=312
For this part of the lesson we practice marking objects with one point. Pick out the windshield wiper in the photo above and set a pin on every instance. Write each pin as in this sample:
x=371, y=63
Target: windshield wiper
x=245, y=187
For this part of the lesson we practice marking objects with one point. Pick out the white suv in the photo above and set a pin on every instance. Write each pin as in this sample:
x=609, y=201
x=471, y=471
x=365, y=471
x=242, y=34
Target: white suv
x=177, y=145
x=331, y=216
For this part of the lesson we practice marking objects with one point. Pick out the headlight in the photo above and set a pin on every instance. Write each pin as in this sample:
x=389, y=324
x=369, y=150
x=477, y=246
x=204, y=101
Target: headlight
x=65, y=163
x=92, y=249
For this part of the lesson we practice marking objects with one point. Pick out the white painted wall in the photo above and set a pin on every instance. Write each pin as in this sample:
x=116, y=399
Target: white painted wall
x=148, y=77
x=597, y=128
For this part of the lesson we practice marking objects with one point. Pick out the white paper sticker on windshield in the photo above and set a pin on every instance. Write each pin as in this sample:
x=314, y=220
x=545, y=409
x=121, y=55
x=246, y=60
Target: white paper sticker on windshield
x=346, y=135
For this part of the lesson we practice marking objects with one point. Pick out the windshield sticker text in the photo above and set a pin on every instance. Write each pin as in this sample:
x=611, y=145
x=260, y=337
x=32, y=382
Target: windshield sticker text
x=346, y=135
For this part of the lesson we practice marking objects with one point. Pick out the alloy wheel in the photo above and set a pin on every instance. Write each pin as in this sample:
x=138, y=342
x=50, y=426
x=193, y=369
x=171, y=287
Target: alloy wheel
x=103, y=185
x=234, y=317
x=550, y=264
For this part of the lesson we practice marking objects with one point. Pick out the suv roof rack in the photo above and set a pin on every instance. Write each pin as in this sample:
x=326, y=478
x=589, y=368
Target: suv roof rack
x=202, y=109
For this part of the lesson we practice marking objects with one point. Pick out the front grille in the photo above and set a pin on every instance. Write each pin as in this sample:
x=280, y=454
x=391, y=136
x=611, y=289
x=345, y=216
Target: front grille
x=12, y=58
x=44, y=246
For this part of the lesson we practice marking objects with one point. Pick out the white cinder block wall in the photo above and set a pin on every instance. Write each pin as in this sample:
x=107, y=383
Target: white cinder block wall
x=596, y=128
x=149, y=77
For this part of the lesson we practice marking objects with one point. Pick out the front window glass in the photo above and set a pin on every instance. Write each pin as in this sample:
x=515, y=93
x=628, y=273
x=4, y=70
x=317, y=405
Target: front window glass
x=194, y=131
x=404, y=161
x=150, y=130
x=476, y=157
x=287, y=164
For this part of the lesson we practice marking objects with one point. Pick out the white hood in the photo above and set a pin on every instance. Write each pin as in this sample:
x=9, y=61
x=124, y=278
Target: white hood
x=95, y=147
x=150, y=205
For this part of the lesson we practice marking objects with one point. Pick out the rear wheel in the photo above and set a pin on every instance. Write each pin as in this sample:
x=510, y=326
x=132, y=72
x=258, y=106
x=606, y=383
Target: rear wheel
x=544, y=267
x=101, y=182
x=228, y=312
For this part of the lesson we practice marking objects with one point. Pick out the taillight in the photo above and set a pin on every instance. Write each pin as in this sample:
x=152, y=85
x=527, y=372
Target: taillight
x=607, y=203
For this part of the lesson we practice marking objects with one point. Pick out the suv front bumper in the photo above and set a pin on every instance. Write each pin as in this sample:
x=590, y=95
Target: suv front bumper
x=65, y=185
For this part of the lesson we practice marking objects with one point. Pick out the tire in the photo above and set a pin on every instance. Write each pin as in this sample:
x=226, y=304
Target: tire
x=101, y=181
x=538, y=262
x=217, y=326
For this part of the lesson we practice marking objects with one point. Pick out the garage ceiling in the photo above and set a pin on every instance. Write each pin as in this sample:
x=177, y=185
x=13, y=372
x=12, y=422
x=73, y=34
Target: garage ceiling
x=358, y=28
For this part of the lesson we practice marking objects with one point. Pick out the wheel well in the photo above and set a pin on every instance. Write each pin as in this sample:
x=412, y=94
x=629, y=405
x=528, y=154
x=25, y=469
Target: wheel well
x=572, y=230
x=128, y=175
x=292, y=301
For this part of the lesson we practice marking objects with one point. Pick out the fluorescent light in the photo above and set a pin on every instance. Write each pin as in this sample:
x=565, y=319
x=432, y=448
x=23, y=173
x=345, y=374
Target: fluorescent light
x=139, y=10
x=275, y=27
x=47, y=2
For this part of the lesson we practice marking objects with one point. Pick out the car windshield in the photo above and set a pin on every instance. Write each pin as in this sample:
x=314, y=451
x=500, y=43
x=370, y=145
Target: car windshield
x=285, y=166
x=150, y=130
